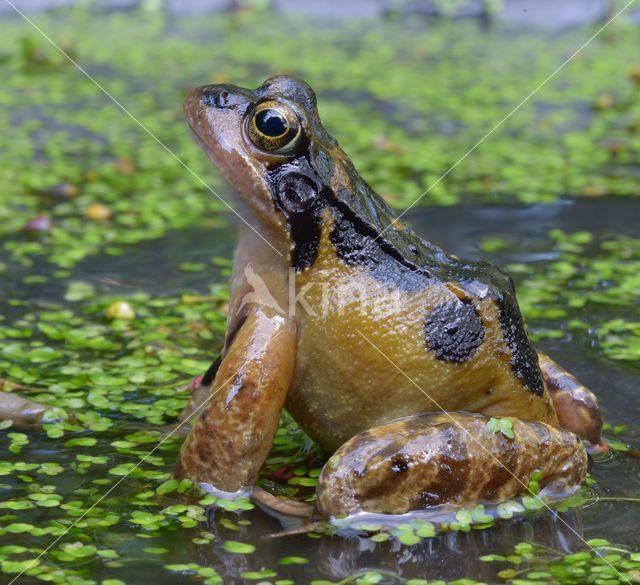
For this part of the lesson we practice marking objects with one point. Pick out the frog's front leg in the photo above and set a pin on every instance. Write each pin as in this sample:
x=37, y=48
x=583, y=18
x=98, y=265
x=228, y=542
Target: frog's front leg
x=455, y=458
x=576, y=406
x=236, y=423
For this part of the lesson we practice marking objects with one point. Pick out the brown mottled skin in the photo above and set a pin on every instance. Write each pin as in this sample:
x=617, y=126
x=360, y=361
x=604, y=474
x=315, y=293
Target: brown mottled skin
x=425, y=460
x=387, y=326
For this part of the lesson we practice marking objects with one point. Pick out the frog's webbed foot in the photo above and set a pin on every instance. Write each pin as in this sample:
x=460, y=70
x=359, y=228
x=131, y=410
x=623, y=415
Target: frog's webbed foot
x=576, y=406
x=455, y=458
x=236, y=417
x=296, y=517
x=24, y=413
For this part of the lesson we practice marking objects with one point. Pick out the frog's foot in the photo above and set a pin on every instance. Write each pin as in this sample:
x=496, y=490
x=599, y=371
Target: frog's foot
x=455, y=458
x=576, y=406
x=24, y=413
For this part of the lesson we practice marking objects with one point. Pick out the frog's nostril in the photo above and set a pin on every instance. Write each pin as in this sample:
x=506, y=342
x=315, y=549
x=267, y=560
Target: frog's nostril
x=209, y=99
x=215, y=98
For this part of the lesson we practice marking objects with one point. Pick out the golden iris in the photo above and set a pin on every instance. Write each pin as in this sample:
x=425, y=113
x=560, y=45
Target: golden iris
x=274, y=127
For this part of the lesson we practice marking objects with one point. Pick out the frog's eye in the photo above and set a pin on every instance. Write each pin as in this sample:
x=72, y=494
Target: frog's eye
x=273, y=127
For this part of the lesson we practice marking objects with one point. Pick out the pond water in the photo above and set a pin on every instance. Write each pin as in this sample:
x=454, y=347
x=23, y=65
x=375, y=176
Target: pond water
x=553, y=198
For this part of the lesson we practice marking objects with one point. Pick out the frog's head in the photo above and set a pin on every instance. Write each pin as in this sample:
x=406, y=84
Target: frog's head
x=270, y=144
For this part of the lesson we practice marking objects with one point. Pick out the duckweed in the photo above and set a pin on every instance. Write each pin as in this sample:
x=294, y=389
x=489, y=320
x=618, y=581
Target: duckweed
x=501, y=425
x=604, y=563
x=581, y=291
x=240, y=548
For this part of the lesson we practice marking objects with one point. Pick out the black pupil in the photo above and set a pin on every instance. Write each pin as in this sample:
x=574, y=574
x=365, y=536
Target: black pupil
x=271, y=123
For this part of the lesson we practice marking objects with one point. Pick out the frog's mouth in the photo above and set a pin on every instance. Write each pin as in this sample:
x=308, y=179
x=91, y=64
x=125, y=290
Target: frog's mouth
x=215, y=114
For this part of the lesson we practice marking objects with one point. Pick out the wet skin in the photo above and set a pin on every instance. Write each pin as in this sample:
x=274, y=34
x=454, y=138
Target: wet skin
x=392, y=345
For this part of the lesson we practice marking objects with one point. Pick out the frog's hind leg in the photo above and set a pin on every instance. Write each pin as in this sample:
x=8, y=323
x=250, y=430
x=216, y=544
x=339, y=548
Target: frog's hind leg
x=455, y=458
x=576, y=406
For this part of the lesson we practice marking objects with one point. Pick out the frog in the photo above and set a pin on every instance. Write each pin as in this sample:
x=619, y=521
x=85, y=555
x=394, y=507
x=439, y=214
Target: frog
x=411, y=368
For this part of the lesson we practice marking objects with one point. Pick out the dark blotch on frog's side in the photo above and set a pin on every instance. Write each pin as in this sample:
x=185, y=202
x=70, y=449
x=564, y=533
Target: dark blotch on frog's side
x=454, y=331
x=524, y=359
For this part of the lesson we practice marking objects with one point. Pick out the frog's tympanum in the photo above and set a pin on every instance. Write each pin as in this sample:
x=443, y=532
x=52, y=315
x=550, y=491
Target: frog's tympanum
x=410, y=367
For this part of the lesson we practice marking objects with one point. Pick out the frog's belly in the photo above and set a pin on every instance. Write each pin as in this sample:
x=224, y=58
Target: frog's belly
x=367, y=365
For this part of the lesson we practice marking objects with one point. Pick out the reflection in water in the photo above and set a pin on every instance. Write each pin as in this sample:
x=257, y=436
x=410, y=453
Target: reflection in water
x=451, y=555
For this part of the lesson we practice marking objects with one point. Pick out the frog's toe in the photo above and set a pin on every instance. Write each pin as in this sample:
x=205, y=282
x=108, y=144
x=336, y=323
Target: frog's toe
x=598, y=449
x=26, y=414
x=429, y=460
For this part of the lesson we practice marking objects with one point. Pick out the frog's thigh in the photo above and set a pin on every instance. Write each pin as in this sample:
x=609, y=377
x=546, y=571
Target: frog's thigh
x=455, y=458
x=233, y=434
x=576, y=406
